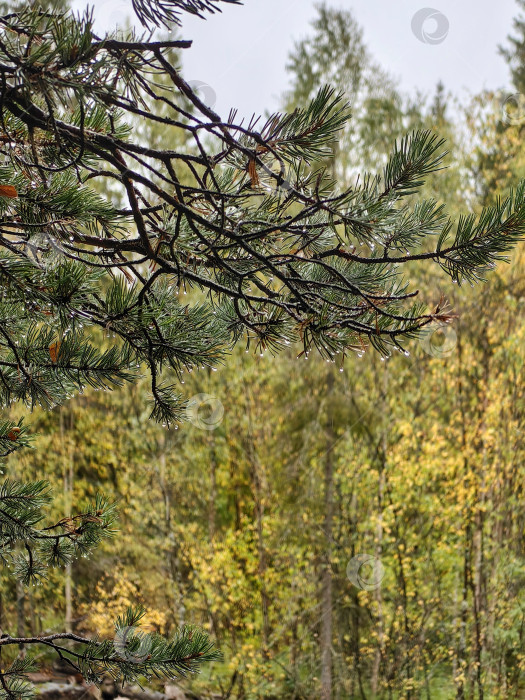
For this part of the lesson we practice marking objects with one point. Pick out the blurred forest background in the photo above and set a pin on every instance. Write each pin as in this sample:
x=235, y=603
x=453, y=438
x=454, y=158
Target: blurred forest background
x=417, y=461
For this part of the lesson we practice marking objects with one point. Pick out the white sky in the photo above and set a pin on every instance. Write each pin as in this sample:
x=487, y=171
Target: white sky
x=242, y=52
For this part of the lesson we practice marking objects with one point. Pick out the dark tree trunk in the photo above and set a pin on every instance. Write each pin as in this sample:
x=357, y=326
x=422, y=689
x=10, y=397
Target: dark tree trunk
x=326, y=583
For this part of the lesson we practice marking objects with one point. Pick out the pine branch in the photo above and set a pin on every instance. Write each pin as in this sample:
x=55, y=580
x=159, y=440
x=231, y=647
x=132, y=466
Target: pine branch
x=128, y=657
x=273, y=249
x=162, y=12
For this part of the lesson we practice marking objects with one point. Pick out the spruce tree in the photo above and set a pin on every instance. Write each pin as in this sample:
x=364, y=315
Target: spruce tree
x=515, y=51
x=102, y=235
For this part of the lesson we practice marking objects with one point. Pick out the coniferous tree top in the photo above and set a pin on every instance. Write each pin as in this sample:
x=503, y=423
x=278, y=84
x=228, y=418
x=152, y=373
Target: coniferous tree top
x=515, y=51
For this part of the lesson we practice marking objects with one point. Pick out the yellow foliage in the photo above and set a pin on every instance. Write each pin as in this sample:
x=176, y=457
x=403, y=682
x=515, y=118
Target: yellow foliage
x=113, y=595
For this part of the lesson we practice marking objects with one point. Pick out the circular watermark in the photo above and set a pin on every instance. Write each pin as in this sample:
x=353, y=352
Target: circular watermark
x=132, y=644
x=440, y=341
x=204, y=92
x=430, y=26
x=205, y=411
x=44, y=250
x=113, y=15
x=365, y=571
x=513, y=109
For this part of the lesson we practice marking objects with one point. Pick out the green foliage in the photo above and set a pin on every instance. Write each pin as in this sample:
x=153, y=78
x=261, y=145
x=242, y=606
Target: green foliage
x=133, y=655
x=515, y=51
x=55, y=545
x=121, y=256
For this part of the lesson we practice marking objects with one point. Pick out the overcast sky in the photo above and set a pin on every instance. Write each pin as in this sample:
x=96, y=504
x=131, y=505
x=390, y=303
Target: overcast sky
x=242, y=52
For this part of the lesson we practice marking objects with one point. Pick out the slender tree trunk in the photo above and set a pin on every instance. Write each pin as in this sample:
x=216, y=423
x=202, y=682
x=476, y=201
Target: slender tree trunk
x=477, y=598
x=462, y=643
x=294, y=642
x=357, y=674
x=261, y=553
x=461, y=653
x=326, y=584
x=258, y=499
x=68, y=477
x=379, y=531
x=173, y=558
x=212, y=501
x=32, y=615
x=259, y=514
x=68, y=596
x=478, y=582
x=20, y=616
x=1, y=622
x=455, y=625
